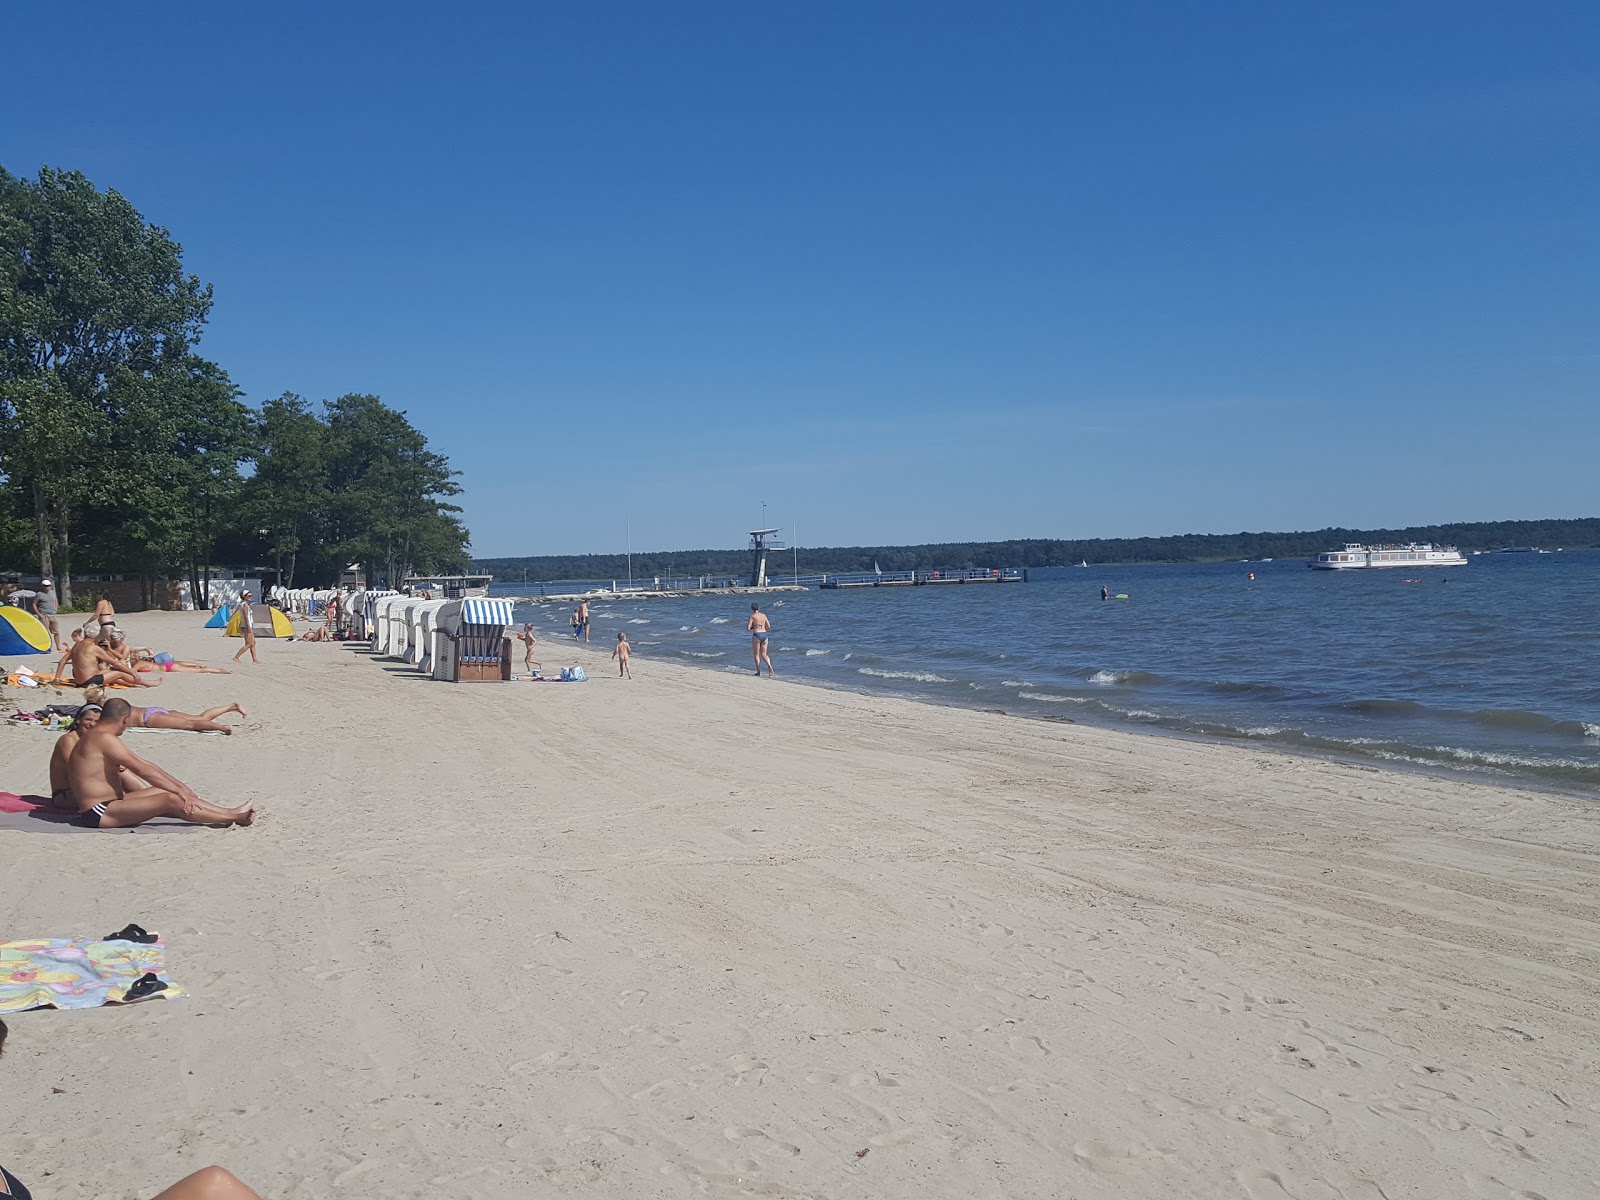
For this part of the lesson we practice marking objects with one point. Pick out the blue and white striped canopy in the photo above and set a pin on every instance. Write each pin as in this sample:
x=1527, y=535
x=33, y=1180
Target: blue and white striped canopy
x=372, y=600
x=481, y=610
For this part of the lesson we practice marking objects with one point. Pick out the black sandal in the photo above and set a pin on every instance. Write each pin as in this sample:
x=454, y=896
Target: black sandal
x=147, y=985
x=132, y=933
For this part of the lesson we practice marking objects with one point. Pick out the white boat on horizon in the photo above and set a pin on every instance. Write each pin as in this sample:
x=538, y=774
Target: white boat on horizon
x=1356, y=556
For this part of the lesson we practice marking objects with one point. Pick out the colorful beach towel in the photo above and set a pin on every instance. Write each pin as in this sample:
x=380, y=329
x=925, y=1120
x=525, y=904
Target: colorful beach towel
x=81, y=973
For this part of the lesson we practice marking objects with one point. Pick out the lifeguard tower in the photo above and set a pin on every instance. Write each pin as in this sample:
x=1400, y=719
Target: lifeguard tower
x=761, y=541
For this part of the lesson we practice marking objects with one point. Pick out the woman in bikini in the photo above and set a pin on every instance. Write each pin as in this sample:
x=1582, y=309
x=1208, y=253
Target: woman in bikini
x=104, y=614
x=170, y=718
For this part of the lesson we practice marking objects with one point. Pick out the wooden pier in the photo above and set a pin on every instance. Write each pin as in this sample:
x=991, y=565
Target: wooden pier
x=920, y=578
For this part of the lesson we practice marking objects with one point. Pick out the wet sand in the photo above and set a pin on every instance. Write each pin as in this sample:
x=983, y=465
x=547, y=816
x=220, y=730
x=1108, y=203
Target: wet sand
x=699, y=934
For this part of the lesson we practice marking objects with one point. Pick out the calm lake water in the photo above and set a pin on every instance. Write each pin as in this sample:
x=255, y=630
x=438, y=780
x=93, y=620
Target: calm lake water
x=1493, y=667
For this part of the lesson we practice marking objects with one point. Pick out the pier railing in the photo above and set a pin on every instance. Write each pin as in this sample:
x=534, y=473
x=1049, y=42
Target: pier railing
x=576, y=589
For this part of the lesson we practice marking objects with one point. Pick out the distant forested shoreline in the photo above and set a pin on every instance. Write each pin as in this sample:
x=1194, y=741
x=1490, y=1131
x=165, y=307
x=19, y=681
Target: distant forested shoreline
x=1581, y=533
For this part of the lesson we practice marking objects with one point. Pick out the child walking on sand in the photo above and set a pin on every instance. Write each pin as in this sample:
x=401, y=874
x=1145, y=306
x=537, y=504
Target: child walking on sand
x=528, y=643
x=620, y=653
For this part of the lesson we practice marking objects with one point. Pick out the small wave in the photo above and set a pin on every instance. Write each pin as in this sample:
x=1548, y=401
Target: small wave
x=1047, y=698
x=917, y=676
x=1017, y=683
x=1382, y=708
x=688, y=629
x=720, y=620
x=706, y=653
x=1517, y=718
x=1590, y=731
x=1127, y=677
x=640, y=621
x=815, y=653
x=1236, y=687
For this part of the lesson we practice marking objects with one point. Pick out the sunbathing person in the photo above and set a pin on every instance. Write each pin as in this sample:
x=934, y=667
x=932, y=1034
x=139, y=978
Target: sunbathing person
x=95, y=775
x=145, y=659
x=93, y=664
x=171, y=718
x=60, y=792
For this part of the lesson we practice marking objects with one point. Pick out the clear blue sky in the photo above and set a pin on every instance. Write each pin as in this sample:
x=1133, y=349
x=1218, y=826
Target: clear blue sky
x=906, y=272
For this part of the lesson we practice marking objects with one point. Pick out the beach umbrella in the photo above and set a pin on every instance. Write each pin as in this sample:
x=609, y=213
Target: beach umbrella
x=21, y=633
x=220, y=618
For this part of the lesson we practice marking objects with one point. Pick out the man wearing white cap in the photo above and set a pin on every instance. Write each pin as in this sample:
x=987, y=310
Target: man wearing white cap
x=44, y=607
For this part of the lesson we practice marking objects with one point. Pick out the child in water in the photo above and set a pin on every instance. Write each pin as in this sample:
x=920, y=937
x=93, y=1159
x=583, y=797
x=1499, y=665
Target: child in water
x=620, y=653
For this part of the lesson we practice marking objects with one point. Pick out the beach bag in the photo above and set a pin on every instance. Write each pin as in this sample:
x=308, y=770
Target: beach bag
x=572, y=675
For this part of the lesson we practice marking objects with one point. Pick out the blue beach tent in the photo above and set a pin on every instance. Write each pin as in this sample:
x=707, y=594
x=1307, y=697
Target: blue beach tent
x=219, y=619
x=21, y=633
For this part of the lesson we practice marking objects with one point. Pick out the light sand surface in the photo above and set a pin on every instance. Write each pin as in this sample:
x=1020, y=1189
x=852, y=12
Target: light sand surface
x=698, y=934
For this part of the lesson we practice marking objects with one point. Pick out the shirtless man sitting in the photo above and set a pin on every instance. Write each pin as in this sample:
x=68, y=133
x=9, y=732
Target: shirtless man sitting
x=102, y=771
x=93, y=664
x=60, y=790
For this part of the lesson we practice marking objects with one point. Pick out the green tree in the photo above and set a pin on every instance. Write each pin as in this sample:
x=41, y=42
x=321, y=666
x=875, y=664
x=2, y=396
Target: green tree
x=286, y=500
x=387, y=490
x=94, y=305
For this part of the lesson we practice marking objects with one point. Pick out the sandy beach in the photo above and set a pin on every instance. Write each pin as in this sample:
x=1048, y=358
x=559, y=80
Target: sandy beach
x=699, y=934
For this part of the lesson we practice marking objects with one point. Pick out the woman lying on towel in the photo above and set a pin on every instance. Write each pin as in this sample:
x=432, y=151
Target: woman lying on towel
x=171, y=718
x=213, y=1183
x=143, y=658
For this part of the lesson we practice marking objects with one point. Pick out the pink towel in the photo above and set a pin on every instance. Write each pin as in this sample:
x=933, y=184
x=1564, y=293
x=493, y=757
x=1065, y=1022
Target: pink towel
x=11, y=802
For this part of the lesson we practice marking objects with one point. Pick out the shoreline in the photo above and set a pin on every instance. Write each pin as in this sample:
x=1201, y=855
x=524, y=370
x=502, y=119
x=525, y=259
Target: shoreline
x=681, y=935
x=1480, y=774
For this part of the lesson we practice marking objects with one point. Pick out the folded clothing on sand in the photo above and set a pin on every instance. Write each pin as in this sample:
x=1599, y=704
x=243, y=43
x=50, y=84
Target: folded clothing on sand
x=81, y=973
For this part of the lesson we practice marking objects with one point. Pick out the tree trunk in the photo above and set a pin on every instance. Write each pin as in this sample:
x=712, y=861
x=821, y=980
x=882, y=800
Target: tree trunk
x=64, y=544
x=293, y=556
x=41, y=515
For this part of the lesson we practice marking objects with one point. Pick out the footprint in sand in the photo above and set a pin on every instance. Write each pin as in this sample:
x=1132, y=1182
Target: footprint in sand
x=1082, y=981
x=735, y=1133
x=1030, y=1045
x=656, y=1035
x=632, y=998
x=854, y=1079
x=1128, y=1158
x=747, y=1071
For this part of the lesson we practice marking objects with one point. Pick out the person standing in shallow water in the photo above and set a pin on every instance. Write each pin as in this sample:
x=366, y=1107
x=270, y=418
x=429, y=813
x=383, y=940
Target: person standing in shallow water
x=760, y=630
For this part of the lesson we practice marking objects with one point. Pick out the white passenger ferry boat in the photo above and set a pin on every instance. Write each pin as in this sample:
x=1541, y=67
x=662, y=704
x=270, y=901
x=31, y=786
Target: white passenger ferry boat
x=1412, y=554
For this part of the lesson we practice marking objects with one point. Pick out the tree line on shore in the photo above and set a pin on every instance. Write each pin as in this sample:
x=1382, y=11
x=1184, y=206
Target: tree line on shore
x=1576, y=534
x=124, y=451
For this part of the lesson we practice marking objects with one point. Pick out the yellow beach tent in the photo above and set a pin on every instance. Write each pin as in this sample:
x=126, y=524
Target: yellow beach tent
x=269, y=622
x=21, y=633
